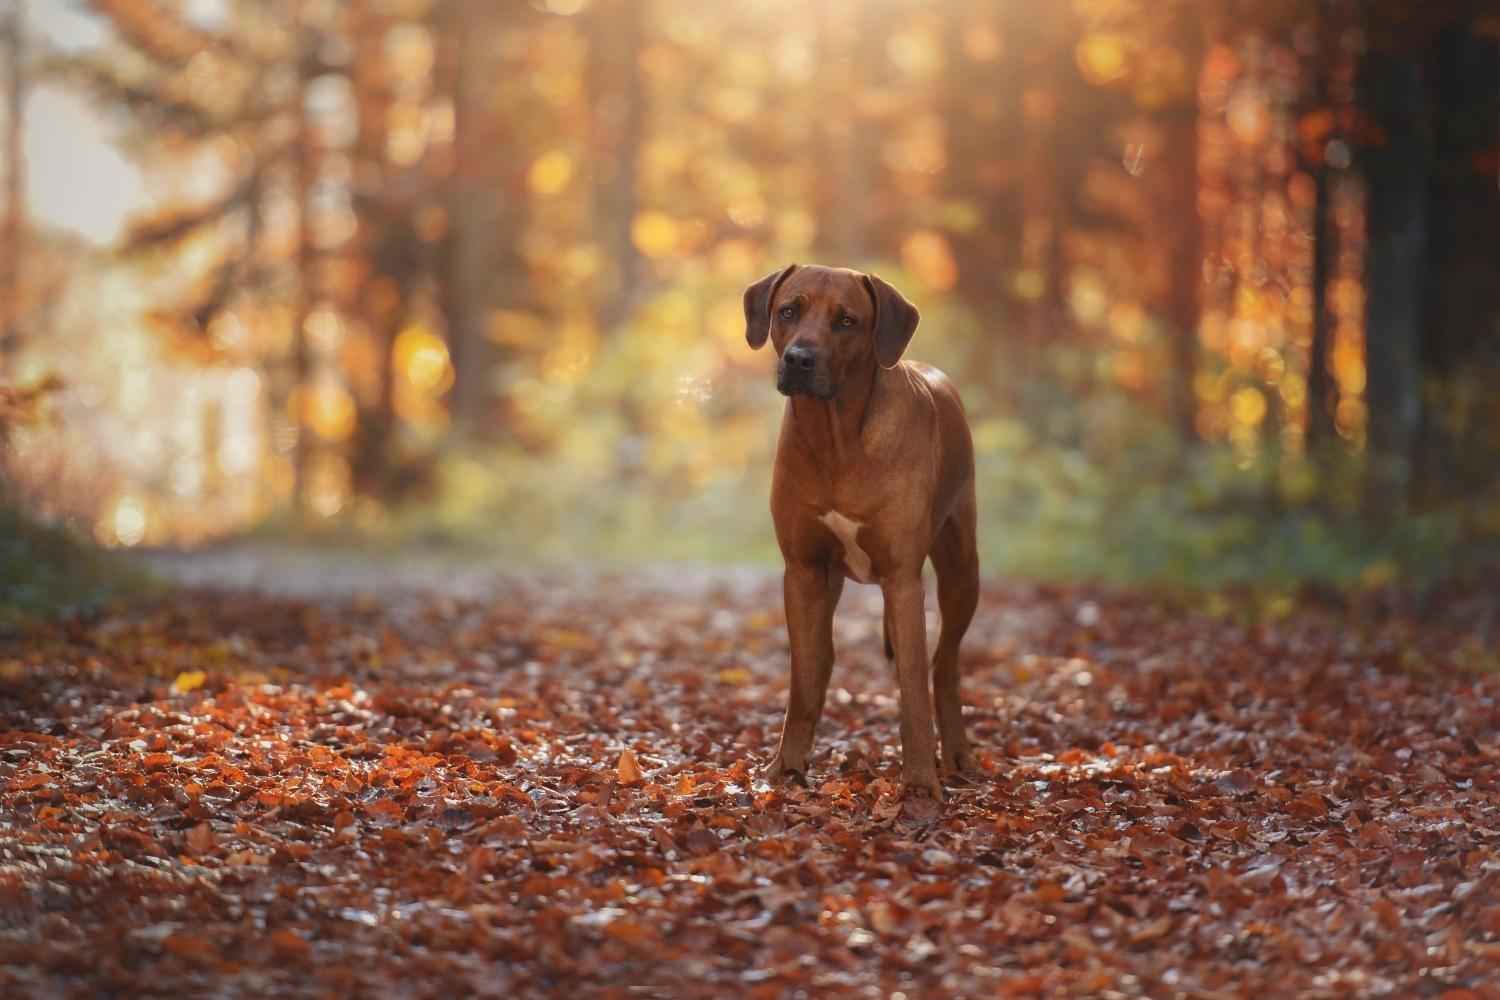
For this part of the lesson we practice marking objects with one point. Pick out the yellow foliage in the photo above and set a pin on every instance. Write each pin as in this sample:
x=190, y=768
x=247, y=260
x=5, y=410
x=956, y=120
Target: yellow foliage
x=926, y=254
x=1028, y=284
x=1293, y=389
x=551, y=172
x=422, y=358
x=1088, y=295
x=655, y=233
x=188, y=680
x=516, y=328
x=1248, y=406
x=327, y=487
x=327, y=408
x=1102, y=57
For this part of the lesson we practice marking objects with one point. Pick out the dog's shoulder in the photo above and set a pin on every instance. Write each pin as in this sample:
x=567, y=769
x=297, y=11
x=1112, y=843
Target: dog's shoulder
x=911, y=395
x=930, y=382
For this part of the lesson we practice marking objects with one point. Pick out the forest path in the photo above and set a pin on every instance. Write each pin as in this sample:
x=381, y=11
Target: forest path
x=367, y=781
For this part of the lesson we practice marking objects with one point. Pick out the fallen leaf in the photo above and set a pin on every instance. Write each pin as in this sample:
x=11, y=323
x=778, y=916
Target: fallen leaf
x=200, y=839
x=189, y=680
x=628, y=771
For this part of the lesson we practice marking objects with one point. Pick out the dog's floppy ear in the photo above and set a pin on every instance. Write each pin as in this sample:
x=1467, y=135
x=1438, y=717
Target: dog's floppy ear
x=758, y=299
x=895, y=321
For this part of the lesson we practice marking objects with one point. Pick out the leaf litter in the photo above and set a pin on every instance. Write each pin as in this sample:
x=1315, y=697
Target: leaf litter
x=550, y=785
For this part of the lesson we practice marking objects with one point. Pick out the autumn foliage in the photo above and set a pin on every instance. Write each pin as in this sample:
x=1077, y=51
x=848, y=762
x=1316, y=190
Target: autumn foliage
x=549, y=787
x=1192, y=262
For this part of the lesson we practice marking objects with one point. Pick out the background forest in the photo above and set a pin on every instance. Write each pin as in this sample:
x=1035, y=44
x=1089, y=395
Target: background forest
x=1218, y=279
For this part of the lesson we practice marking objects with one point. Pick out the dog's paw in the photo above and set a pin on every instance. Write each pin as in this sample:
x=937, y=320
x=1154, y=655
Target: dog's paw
x=922, y=786
x=964, y=761
x=779, y=768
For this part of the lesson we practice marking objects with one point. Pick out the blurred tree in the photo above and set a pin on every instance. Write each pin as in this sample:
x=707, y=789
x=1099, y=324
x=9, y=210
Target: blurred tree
x=617, y=117
x=13, y=226
x=1321, y=131
x=1459, y=353
x=466, y=64
x=515, y=222
x=306, y=164
x=228, y=99
x=986, y=63
x=1172, y=96
x=1427, y=86
x=853, y=65
x=389, y=260
x=482, y=272
x=1393, y=94
x=191, y=90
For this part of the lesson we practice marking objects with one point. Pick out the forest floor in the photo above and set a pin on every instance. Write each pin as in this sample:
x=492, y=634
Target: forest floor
x=337, y=780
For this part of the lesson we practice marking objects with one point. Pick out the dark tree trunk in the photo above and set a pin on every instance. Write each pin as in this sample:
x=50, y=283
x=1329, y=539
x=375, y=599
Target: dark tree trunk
x=382, y=208
x=1194, y=29
x=1320, y=401
x=1396, y=263
x=1459, y=352
x=1184, y=231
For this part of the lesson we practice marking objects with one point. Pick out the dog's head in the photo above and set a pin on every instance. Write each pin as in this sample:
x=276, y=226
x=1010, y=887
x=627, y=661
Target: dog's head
x=827, y=325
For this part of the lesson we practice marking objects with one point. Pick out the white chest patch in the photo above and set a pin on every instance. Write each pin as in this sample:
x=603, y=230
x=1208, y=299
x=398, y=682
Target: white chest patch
x=856, y=559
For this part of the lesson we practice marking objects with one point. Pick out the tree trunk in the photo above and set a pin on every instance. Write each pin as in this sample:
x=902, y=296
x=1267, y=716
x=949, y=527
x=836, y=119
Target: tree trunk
x=304, y=169
x=848, y=154
x=617, y=103
x=1320, y=401
x=1459, y=350
x=382, y=209
x=981, y=103
x=1320, y=386
x=1184, y=232
x=1395, y=268
x=466, y=40
x=1195, y=28
x=13, y=233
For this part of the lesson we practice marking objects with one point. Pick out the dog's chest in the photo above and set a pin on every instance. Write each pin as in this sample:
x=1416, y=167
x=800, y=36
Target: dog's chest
x=856, y=559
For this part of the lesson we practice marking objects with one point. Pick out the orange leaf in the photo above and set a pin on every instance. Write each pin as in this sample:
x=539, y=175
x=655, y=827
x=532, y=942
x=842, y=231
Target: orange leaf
x=200, y=839
x=629, y=770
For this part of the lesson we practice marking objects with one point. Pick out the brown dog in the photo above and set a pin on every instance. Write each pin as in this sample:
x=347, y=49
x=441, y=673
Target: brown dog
x=874, y=473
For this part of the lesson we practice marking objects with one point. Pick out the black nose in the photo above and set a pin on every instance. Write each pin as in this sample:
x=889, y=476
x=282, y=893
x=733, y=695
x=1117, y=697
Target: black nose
x=800, y=357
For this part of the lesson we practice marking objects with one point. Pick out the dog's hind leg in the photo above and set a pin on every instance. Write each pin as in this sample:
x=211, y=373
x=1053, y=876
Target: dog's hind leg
x=955, y=557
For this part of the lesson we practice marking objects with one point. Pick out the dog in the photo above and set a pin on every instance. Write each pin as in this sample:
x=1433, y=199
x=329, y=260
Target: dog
x=874, y=474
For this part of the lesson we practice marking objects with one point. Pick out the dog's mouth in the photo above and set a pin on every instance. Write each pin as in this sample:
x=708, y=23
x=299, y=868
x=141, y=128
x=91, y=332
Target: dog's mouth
x=799, y=388
x=792, y=384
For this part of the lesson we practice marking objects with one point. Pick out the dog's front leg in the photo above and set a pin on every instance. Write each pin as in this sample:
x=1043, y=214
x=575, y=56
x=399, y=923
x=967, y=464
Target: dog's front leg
x=905, y=598
x=811, y=593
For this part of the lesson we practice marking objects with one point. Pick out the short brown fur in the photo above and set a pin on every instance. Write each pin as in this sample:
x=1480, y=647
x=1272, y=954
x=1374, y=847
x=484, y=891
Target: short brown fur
x=883, y=444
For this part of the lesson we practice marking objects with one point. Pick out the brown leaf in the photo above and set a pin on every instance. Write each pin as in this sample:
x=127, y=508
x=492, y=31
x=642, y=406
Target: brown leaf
x=1238, y=782
x=200, y=839
x=628, y=771
x=1152, y=929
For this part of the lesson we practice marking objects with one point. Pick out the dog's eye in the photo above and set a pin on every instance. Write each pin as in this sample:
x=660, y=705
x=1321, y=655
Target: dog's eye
x=847, y=322
x=788, y=312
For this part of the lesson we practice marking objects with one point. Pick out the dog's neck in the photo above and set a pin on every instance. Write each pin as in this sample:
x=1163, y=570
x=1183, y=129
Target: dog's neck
x=832, y=427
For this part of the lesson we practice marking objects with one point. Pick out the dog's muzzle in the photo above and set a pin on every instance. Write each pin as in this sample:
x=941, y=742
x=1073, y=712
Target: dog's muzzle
x=799, y=373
